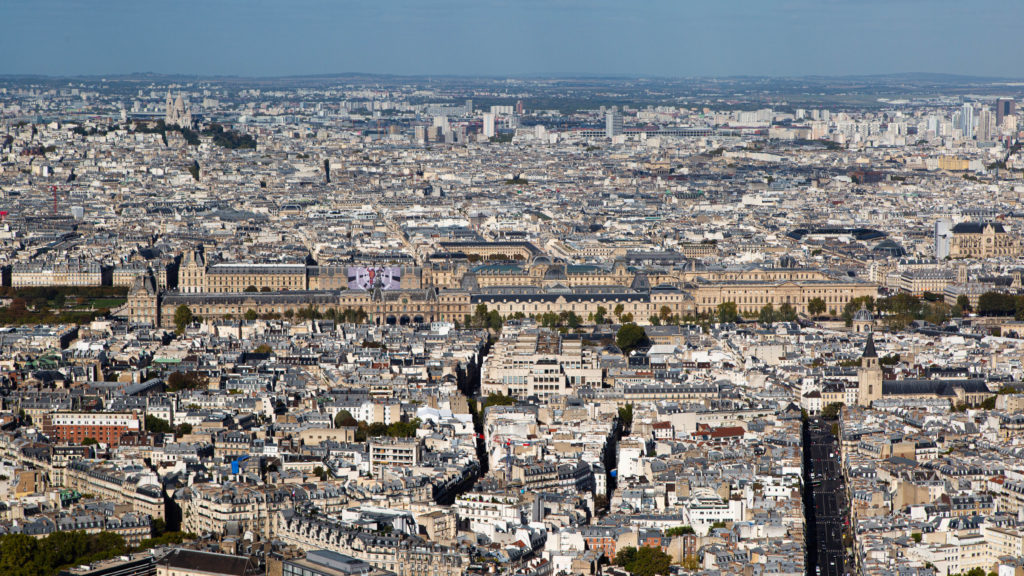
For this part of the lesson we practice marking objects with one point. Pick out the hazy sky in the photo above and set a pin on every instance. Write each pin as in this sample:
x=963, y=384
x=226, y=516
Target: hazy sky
x=512, y=37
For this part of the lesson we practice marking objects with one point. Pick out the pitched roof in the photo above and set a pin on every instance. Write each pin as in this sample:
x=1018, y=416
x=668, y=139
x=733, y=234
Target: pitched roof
x=869, y=348
x=207, y=562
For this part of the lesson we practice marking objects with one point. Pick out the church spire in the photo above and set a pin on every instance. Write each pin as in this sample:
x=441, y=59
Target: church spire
x=869, y=348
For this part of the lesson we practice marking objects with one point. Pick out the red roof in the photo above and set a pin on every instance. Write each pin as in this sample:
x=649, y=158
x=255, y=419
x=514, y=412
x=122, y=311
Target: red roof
x=727, y=431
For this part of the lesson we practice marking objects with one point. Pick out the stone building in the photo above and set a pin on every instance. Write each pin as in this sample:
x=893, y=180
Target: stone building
x=982, y=240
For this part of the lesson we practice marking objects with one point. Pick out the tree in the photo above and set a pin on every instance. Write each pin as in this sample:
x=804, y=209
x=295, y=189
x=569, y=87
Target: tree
x=88, y=441
x=157, y=527
x=626, y=416
x=618, y=310
x=494, y=322
x=251, y=288
x=629, y=337
x=344, y=419
x=157, y=425
x=916, y=536
x=996, y=304
x=664, y=314
x=182, y=318
x=626, y=318
x=963, y=302
x=679, y=531
x=251, y=315
x=625, y=556
x=264, y=349
x=831, y=412
x=816, y=307
x=183, y=429
x=190, y=380
x=727, y=312
x=645, y=561
x=600, y=315
x=787, y=313
x=497, y=400
x=767, y=314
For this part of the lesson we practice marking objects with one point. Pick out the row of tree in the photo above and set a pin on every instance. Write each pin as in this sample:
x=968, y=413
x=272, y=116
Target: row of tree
x=364, y=431
x=25, y=555
x=183, y=316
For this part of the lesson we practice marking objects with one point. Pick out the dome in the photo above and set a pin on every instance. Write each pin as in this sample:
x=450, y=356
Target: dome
x=863, y=315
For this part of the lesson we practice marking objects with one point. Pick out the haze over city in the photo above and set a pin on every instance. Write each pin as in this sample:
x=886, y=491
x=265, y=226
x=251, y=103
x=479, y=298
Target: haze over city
x=500, y=37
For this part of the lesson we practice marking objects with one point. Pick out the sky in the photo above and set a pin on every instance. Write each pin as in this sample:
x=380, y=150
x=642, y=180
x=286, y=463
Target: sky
x=639, y=38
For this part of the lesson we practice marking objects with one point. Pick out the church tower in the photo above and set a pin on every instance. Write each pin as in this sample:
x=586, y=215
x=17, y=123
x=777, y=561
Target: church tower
x=869, y=375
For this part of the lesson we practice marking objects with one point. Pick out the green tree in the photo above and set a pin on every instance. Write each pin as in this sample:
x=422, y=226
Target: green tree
x=963, y=302
x=157, y=527
x=183, y=429
x=497, y=400
x=831, y=412
x=630, y=337
x=344, y=419
x=816, y=307
x=251, y=288
x=645, y=561
x=625, y=556
x=664, y=314
x=619, y=308
x=600, y=315
x=626, y=416
x=727, y=312
x=494, y=322
x=182, y=318
x=787, y=313
x=157, y=425
x=87, y=441
x=679, y=531
x=190, y=380
x=251, y=315
x=263, y=349
x=767, y=314
x=916, y=536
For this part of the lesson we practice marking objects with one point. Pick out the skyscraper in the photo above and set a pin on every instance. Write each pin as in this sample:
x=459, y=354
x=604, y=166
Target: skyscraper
x=613, y=123
x=967, y=121
x=1004, y=107
x=488, y=125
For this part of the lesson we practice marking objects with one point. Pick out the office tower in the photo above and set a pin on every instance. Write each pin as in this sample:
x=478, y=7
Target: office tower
x=488, y=125
x=519, y=108
x=613, y=123
x=1005, y=107
x=986, y=125
x=469, y=107
x=967, y=121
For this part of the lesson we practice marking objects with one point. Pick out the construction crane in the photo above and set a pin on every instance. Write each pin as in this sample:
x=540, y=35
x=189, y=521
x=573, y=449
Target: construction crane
x=68, y=188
